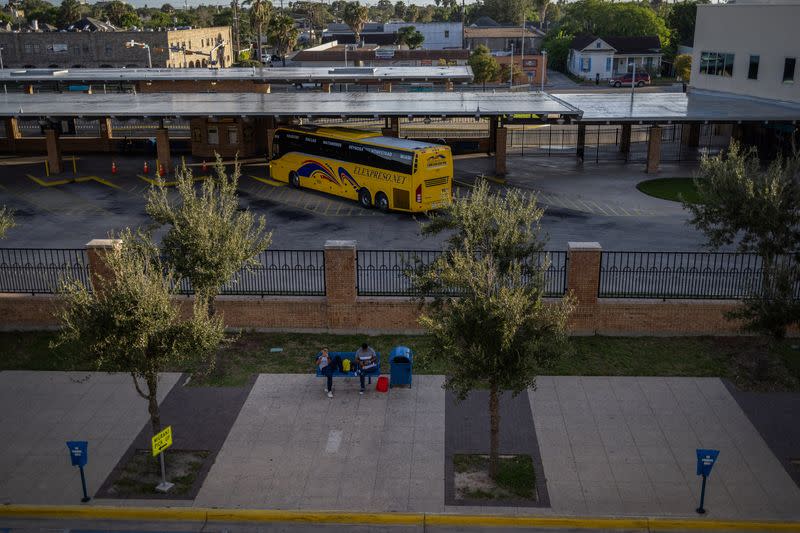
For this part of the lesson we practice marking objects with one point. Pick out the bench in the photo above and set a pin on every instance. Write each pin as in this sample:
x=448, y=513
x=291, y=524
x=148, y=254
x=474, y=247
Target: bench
x=352, y=374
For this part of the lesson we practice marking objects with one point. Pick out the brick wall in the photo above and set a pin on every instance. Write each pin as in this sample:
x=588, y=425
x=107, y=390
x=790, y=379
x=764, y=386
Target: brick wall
x=341, y=310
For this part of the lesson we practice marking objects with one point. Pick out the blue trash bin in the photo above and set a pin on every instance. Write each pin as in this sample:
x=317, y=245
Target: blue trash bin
x=401, y=359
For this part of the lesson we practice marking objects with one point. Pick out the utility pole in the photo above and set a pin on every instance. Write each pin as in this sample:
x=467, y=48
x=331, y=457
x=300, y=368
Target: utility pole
x=236, y=44
x=543, y=67
x=511, y=70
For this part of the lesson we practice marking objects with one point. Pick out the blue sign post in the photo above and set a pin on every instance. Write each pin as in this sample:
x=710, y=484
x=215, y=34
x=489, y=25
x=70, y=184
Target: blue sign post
x=79, y=454
x=705, y=462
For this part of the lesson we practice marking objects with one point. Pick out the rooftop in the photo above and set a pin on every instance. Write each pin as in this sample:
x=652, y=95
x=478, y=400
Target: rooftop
x=268, y=75
x=283, y=104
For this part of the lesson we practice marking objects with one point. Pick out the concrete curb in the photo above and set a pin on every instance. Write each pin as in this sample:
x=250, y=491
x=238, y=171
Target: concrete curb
x=420, y=519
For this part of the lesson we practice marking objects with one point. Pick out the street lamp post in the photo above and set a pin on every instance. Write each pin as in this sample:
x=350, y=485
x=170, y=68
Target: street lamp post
x=511, y=70
x=543, y=67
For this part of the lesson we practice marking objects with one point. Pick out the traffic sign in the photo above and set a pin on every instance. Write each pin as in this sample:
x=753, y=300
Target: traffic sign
x=705, y=461
x=162, y=440
x=78, y=452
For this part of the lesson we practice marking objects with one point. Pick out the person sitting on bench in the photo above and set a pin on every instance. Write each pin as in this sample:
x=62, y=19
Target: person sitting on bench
x=367, y=363
x=328, y=365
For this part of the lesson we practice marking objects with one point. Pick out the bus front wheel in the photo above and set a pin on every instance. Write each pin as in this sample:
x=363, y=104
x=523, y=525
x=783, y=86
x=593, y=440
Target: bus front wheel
x=294, y=179
x=364, y=198
x=382, y=202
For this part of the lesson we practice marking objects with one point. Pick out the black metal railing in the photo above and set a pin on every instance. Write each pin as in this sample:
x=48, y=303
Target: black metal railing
x=277, y=273
x=41, y=270
x=386, y=272
x=685, y=275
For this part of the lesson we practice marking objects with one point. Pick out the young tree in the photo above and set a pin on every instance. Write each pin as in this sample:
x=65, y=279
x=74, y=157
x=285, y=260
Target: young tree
x=6, y=221
x=283, y=35
x=355, y=16
x=409, y=36
x=498, y=334
x=506, y=72
x=129, y=323
x=208, y=238
x=484, y=66
x=683, y=67
x=69, y=12
x=758, y=209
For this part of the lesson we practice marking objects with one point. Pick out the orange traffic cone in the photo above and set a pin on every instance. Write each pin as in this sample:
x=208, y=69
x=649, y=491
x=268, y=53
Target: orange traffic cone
x=113, y=167
x=161, y=170
x=205, y=166
x=146, y=168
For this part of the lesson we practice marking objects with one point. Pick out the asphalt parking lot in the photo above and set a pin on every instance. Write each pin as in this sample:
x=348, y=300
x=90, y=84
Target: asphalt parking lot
x=589, y=202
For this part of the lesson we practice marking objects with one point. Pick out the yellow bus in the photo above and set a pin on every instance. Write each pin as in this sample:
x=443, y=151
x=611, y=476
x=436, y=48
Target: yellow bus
x=384, y=172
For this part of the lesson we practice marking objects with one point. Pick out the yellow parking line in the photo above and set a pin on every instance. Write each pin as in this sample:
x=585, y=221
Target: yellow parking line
x=53, y=183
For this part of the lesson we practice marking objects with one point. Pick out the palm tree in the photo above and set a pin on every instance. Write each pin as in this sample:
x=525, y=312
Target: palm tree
x=283, y=35
x=355, y=16
x=260, y=13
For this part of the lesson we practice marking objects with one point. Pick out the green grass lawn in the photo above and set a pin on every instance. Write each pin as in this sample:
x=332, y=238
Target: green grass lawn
x=673, y=189
x=249, y=353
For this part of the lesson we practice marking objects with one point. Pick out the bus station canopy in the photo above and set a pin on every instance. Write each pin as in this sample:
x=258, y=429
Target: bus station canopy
x=677, y=107
x=299, y=104
x=264, y=75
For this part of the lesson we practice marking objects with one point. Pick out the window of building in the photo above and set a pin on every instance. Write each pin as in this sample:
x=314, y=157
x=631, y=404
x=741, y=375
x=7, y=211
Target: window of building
x=233, y=135
x=597, y=44
x=28, y=48
x=716, y=64
x=213, y=136
x=446, y=34
x=648, y=64
x=109, y=49
x=752, y=69
x=608, y=64
x=586, y=64
x=788, y=69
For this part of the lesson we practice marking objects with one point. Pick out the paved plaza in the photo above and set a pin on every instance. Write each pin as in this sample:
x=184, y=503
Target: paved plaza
x=620, y=446
x=40, y=411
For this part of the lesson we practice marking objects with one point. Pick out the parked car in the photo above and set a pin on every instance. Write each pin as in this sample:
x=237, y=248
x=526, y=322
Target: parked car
x=642, y=78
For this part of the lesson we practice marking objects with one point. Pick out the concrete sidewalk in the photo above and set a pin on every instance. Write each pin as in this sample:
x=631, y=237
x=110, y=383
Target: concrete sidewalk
x=610, y=446
x=40, y=411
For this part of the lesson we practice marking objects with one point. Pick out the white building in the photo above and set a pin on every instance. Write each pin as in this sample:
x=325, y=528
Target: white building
x=591, y=57
x=749, y=48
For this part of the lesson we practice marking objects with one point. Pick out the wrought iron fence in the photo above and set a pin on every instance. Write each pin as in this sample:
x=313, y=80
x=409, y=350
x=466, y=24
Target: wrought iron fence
x=41, y=271
x=277, y=273
x=387, y=272
x=673, y=275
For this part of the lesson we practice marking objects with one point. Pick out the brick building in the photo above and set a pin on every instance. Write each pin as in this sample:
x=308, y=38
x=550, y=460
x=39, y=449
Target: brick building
x=106, y=49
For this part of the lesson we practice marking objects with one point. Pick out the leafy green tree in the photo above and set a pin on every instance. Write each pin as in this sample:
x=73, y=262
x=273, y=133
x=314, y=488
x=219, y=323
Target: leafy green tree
x=484, y=65
x=282, y=34
x=130, y=323
x=509, y=11
x=608, y=19
x=499, y=333
x=683, y=67
x=355, y=16
x=159, y=20
x=208, y=239
x=411, y=13
x=505, y=72
x=69, y=12
x=557, y=44
x=409, y=36
x=680, y=19
x=6, y=221
x=259, y=15
x=756, y=208
x=383, y=11
x=400, y=10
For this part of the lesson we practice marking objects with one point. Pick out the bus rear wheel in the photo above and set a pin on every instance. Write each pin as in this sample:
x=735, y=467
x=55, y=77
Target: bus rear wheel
x=294, y=179
x=364, y=198
x=382, y=202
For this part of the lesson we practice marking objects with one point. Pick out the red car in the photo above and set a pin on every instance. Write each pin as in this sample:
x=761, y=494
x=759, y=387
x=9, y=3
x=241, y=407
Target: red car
x=625, y=79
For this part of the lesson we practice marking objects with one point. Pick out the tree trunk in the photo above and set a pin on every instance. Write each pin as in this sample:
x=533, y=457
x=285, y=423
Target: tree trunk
x=152, y=402
x=283, y=60
x=258, y=47
x=494, y=430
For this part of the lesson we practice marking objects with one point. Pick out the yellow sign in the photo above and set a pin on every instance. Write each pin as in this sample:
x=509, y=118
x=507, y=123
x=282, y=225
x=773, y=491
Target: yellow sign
x=162, y=440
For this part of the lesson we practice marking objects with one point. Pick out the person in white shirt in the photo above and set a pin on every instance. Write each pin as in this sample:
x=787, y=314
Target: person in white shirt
x=326, y=366
x=367, y=361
